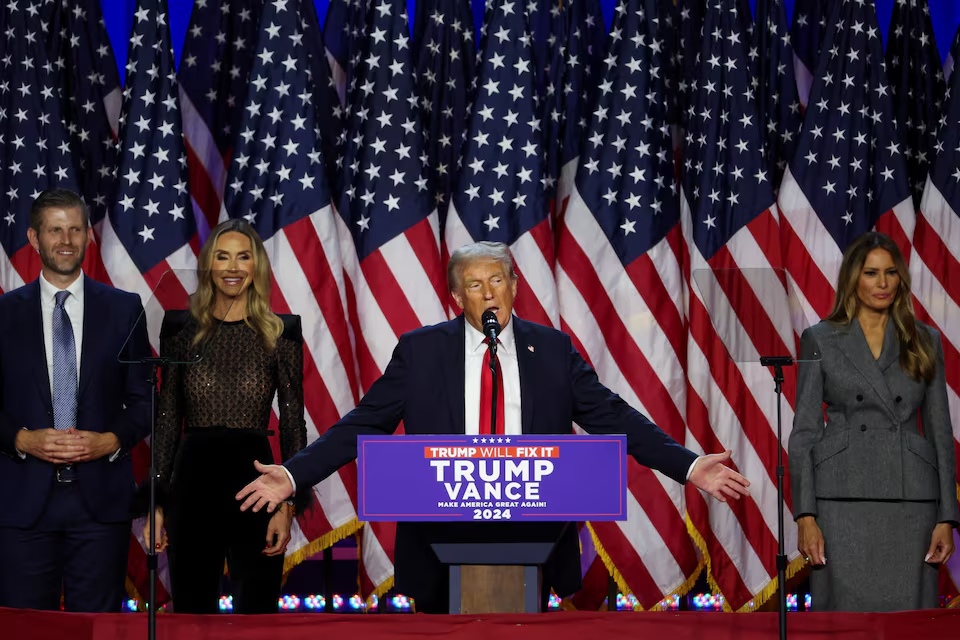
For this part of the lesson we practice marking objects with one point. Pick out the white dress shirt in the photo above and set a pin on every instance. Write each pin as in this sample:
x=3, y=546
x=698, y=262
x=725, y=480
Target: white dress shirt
x=475, y=348
x=74, y=307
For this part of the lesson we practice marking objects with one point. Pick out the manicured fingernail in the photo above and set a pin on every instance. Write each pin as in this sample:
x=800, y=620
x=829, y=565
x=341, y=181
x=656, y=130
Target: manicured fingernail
x=926, y=558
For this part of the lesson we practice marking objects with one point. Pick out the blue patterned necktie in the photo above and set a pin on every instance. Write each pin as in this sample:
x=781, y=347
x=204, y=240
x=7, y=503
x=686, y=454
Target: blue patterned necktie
x=64, y=367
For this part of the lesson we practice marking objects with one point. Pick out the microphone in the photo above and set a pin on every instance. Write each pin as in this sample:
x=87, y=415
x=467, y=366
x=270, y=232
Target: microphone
x=491, y=327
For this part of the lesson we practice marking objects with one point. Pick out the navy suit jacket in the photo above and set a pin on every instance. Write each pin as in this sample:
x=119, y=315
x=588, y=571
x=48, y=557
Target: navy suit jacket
x=112, y=397
x=423, y=386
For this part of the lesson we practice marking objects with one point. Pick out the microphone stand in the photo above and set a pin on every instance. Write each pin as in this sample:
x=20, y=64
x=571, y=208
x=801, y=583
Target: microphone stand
x=493, y=374
x=778, y=362
x=152, y=558
x=152, y=562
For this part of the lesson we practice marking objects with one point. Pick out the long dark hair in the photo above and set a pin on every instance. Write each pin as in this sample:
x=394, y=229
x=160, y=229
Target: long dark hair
x=917, y=356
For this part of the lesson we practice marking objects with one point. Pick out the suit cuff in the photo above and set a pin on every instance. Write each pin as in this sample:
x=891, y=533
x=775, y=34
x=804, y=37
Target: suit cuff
x=692, y=465
x=293, y=482
x=22, y=455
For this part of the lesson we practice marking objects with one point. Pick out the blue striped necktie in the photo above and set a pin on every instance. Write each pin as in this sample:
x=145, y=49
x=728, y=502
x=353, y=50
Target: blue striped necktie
x=64, y=367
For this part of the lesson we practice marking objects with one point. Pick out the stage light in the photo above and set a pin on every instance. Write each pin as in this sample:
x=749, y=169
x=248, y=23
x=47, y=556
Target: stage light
x=290, y=603
x=226, y=604
x=130, y=605
x=373, y=604
x=670, y=603
x=400, y=603
x=625, y=602
x=356, y=603
x=808, y=602
x=554, y=602
x=708, y=602
x=791, y=602
x=314, y=602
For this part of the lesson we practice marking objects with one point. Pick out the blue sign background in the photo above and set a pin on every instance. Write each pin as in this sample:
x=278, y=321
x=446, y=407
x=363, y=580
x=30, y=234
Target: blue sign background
x=397, y=481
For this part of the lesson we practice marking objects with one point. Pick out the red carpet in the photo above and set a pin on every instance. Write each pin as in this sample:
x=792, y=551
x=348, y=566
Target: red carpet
x=35, y=625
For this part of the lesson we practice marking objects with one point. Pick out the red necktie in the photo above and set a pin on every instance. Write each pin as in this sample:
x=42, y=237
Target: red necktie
x=486, y=395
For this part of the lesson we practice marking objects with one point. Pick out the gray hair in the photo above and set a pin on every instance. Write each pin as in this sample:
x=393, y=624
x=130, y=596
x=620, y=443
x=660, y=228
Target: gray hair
x=469, y=253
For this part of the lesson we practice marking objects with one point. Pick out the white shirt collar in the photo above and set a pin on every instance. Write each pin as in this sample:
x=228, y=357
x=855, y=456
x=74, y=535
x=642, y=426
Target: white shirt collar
x=49, y=291
x=477, y=340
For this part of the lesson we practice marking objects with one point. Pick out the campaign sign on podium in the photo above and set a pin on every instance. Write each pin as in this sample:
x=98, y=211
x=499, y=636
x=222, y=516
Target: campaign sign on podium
x=525, y=478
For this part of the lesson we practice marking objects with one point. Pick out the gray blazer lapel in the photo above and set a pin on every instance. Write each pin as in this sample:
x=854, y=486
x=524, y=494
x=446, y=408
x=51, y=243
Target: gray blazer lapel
x=854, y=345
x=891, y=348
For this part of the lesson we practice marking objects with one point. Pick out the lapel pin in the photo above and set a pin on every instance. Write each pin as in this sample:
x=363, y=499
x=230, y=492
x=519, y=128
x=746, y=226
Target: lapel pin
x=530, y=347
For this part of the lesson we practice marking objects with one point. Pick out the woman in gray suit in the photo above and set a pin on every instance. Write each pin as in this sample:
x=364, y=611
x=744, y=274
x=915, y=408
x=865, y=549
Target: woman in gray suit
x=874, y=486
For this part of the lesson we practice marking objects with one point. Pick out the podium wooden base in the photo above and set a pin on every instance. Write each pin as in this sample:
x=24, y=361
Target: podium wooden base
x=476, y=589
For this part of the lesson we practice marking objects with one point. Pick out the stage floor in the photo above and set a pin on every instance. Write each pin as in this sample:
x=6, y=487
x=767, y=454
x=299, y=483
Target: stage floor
x=564, y=625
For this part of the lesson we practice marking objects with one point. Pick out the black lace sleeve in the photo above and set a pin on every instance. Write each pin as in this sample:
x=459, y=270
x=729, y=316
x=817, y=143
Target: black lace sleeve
x=293, y=431
x=171, y=404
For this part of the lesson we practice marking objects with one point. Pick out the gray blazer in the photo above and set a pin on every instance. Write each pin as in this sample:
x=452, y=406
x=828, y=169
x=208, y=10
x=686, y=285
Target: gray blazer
x=870, y=446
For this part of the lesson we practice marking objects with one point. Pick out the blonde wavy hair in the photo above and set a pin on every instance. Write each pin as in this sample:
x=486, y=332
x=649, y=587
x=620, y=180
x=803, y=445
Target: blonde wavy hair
x=258, y=316
x=917, y=356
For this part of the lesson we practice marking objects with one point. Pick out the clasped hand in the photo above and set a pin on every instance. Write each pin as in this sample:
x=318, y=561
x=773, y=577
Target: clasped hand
x=66, y=447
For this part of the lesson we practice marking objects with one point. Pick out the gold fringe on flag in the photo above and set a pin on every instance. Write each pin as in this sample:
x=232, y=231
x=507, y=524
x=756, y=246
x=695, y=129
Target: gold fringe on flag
x=622, y=583
x=759, y=599
x=316, y=546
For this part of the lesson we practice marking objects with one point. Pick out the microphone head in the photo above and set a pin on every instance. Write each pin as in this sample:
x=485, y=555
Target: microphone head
x=489, y=321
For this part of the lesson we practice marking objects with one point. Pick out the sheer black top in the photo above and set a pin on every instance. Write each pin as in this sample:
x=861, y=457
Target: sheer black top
x=231, y=387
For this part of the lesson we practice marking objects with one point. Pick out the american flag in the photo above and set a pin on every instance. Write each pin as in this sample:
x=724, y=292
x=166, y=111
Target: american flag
x=581, y=62
x=729, y=221
x=326, y=98
x=935, y=263
x=218, y=52
x=849, y=173
x=35, y=150
x=446, y=64
x=277, y=182
x=90, y=84
x=778, y=106
x=916, y=77
x=501, y=192
x=388, y=226
x=809, y=27
x=620, y=289
x=149, y=228
x=688, y=23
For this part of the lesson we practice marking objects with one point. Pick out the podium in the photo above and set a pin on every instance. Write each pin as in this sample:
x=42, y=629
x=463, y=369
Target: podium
x=500, y=576
x=508, y=503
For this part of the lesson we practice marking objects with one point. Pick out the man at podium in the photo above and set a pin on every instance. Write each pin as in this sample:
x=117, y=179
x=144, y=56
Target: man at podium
x=439, y=381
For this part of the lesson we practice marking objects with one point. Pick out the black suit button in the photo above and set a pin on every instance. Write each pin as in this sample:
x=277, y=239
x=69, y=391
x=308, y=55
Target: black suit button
x=863, y=427
x=859, y=397
x=898, y=399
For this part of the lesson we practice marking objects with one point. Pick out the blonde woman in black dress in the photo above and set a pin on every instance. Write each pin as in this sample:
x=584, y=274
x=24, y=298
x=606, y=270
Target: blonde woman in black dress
x=212, y=424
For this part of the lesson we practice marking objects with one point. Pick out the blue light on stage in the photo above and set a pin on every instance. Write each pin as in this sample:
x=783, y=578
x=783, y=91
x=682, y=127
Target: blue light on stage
x=314, y=603
x=130, y=605
x=708, y=602
x=292, y=603
x=226, y=604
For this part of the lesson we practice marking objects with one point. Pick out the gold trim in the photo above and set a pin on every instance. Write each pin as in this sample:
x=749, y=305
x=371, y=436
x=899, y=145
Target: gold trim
x=760, y=598
x=315, y=546
x=622, y=583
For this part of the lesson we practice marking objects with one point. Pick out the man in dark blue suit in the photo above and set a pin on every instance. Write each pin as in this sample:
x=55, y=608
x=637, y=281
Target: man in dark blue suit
x=70, y=412
x=436, y=382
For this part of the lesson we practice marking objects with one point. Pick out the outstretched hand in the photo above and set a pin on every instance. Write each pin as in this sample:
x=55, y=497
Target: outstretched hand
x=711, y=475
x=269, y=490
